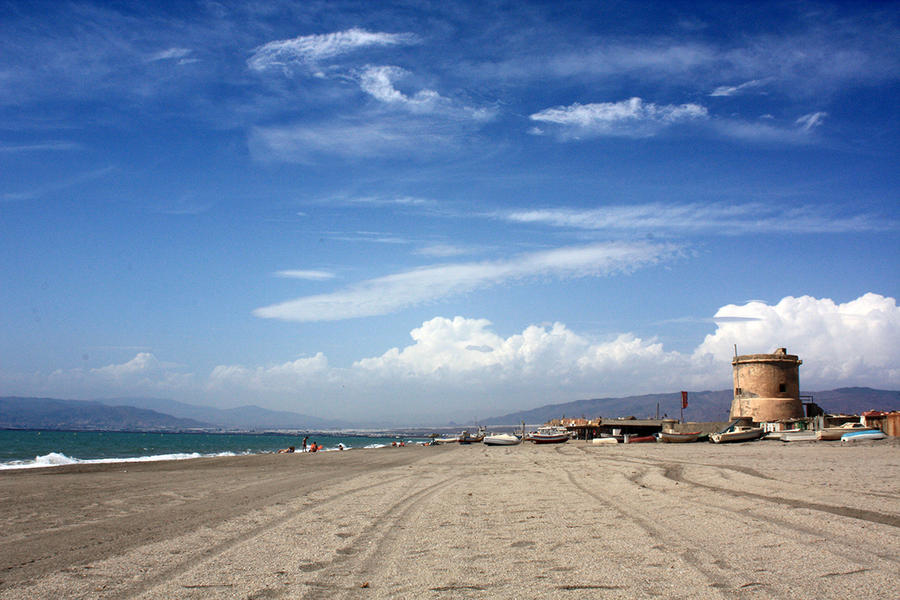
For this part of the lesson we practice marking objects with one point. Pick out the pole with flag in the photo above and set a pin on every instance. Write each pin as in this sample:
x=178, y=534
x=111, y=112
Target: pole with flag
x=684, y=404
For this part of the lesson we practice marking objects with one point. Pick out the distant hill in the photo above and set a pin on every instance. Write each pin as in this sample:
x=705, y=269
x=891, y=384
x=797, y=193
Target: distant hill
x=855, y=400
x=51, y=413
x=242, y=417
x=702, y=406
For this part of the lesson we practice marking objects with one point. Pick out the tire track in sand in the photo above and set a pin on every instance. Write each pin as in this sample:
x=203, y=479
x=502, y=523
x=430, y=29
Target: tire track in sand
x=191, y=561
x=863, y=556
x=719, y=580
x=367, y=549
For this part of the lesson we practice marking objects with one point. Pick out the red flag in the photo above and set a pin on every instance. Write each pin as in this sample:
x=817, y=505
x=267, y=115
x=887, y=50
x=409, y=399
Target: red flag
x=683, y=400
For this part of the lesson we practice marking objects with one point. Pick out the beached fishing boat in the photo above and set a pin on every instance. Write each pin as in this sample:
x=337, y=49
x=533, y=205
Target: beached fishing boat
x=445, y=440
x=868, y=434
x=738, y=434
x=464, y=437
x=640, y=439
x=799, y=436
x=602, y=441
x=549, y=435
x=777, y=435
x=467, y=438
x=501, y=439
x=672, y=437
x=835, y=433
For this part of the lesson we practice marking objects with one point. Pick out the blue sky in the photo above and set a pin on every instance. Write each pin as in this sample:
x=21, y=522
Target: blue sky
x=416, y=212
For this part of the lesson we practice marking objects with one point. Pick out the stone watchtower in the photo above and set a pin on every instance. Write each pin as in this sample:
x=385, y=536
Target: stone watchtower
x=767, y=387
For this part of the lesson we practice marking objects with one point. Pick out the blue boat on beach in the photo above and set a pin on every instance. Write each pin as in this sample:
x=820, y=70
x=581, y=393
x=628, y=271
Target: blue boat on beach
x=868, y=434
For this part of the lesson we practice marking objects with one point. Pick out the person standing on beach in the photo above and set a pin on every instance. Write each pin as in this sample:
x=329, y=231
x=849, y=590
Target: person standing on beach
x=304, y=443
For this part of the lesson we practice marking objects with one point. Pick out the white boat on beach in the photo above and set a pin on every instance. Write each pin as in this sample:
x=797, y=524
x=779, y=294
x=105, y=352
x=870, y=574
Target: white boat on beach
x=799, y=436
x=549, y=435
x=501, y=439
x=602, y=441
x=738, y=434
x=445, y=440
x=868, y=434
x=778, y=435
x=835, y=433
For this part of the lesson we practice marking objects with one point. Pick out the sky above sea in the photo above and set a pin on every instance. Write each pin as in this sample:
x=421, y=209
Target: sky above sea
x=421, y=211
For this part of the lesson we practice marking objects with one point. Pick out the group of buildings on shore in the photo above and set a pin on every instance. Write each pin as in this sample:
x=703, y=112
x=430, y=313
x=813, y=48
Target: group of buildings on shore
x=766, y=394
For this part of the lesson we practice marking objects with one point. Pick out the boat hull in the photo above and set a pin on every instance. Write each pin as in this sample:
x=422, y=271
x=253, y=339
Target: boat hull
x=602, y=441
x=501, y=440
x=641, y=439
x=835, y=433
x=730, y=437
x=858, y=436
x=548, y=439
x=678, y=438
x=799, y=436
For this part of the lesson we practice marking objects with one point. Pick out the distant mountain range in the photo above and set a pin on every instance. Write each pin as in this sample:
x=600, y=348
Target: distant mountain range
x=143, y=414
x=242, y=417
x=702, y=406
x=51, y=413
x=140, y=414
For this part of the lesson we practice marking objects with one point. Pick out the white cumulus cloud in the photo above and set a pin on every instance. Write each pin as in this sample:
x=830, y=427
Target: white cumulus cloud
x=286, y=378
x=852, y=343
x=462, y=367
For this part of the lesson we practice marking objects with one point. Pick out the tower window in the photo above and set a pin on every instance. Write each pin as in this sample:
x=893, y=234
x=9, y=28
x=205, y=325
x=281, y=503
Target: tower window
x=782, y=387
x=737, y=391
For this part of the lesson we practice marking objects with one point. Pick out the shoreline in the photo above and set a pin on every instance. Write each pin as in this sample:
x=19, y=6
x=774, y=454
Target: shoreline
x=684, y=521
x=39, y=449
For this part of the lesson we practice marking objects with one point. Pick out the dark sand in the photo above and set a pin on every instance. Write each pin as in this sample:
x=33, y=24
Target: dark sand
x=758, y=520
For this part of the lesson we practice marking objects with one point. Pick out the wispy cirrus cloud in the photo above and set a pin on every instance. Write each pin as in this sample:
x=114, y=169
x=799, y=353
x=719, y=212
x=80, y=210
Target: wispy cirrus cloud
x=379, y=82
x=629, y=118
x=384, y=295
x=361, y=136
x=444, y=250
x=720, y=219
x=376, y=200
x=815, y=54
x=57, y=186
x=736, y=90
x=811, y=121
x=309, y=50
x=170, y=54
x=310, y=275
x=51, y=145
x=767, y=130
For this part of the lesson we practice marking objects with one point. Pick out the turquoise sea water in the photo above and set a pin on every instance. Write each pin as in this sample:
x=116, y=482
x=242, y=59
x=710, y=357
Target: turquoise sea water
x=28, y=449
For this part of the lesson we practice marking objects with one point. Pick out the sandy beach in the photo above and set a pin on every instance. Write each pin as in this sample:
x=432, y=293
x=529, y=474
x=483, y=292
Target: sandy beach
x=759, y=520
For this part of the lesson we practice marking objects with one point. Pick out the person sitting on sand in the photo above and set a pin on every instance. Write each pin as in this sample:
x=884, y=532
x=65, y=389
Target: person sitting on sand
x=313, y=447
x=340, y=446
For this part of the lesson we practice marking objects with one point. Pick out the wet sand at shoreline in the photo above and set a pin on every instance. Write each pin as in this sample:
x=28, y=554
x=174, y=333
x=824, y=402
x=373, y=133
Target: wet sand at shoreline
x=758, y=520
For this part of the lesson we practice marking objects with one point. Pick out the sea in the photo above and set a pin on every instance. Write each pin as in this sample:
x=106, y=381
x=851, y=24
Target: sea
x=24, y=449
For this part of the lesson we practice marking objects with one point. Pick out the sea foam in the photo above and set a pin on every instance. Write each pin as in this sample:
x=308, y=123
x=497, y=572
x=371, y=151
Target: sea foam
x=56, y=459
